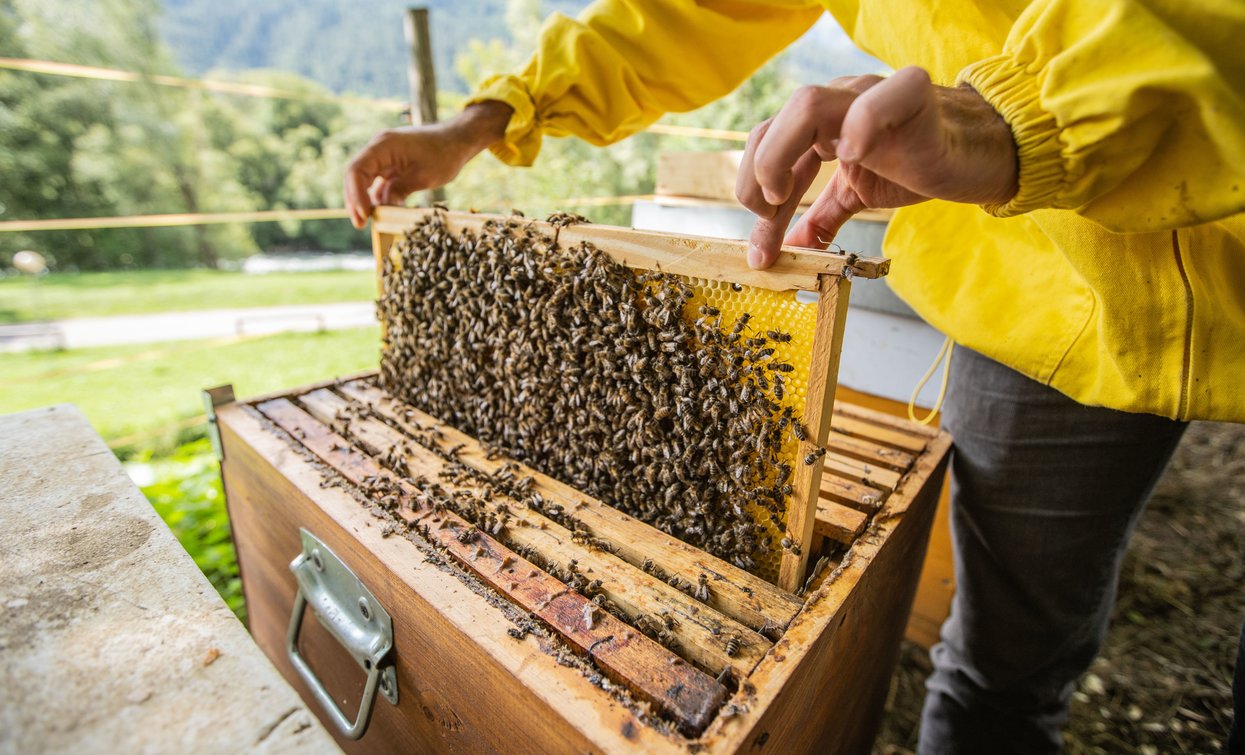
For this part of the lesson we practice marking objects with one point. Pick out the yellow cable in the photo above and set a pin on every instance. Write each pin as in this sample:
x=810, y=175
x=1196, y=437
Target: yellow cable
x=944, y=353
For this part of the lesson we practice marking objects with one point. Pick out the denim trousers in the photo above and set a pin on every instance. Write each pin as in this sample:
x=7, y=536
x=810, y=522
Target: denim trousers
x=1045, y=493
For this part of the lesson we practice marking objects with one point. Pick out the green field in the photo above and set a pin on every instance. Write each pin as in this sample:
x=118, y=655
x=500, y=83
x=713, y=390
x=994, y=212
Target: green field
x=65, y=295
x=140, y=390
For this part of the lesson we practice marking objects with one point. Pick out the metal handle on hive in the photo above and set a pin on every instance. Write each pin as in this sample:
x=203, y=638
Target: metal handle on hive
x=355, y=618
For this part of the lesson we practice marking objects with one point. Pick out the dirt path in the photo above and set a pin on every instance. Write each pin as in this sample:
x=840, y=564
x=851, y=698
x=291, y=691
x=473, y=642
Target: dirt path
x=1162, y=683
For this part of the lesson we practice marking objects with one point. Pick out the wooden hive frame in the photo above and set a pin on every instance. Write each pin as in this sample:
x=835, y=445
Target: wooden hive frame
x=829, y=275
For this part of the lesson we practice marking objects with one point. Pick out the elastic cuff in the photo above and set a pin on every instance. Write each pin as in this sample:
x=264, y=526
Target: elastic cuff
x=521, y=142
x=1014, y=92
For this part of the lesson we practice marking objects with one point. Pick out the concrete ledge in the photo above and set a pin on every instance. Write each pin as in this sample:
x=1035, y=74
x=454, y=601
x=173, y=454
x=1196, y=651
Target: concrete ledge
x=111, y=640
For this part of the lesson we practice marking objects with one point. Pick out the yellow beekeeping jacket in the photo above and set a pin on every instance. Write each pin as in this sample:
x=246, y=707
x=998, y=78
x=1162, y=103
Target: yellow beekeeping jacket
x=1115, y=275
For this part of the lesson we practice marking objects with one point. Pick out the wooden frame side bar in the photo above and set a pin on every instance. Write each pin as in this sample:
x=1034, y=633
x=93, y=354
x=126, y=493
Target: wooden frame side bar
x=818, y=409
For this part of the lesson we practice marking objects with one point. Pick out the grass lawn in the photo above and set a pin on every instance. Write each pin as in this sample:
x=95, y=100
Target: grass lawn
x=144, y=291
x=134, y=390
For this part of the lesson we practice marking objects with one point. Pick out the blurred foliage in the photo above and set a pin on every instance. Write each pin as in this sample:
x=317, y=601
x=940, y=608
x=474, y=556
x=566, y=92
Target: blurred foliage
x=75, y=148
x=187, y=495
x=82, y=148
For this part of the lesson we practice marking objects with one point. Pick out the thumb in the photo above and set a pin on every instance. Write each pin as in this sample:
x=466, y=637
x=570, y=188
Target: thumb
x=836, y=204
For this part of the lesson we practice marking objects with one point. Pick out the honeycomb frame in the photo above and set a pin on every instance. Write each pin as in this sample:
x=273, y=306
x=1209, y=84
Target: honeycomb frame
x=719, y=274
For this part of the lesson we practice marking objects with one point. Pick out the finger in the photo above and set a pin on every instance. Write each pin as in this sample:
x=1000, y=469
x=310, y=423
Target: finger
x=836, y=204
x=747, y=190
x=356, y=184
x=884, y=107
x=376, y=192
x=766, y=240
x=399, y=188
x=810, y=118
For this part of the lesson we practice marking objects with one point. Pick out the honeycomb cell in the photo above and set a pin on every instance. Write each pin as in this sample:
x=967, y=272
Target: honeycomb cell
x=777, y=311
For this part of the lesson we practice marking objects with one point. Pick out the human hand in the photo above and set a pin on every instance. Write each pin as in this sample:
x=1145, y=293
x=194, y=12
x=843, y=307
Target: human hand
x=400, y=161
x=899, y=141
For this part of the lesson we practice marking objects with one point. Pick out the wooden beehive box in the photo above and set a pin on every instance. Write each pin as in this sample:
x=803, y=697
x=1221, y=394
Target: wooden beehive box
x=495, y=644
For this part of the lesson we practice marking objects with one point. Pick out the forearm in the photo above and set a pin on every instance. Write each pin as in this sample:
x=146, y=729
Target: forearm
x=482, y=123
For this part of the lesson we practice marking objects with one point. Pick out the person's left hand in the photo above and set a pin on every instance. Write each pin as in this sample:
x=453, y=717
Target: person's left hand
x=898, y=140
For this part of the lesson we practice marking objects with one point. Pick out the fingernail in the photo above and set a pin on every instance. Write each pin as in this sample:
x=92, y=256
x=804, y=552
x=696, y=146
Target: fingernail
x=755, y=258
x=846, y=151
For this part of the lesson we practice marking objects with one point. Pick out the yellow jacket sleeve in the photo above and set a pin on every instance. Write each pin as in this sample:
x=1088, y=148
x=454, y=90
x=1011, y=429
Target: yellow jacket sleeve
x=1130, y=112
x=624, y=63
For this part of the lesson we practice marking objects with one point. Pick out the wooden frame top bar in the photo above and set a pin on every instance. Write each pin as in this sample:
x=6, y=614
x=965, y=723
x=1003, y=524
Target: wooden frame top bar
x=692, y=256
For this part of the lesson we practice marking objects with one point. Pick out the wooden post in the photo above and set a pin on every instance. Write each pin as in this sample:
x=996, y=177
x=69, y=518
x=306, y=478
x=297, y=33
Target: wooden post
x=422, y=76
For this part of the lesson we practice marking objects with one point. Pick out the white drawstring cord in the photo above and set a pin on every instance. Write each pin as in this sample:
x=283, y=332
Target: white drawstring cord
x=944, y=353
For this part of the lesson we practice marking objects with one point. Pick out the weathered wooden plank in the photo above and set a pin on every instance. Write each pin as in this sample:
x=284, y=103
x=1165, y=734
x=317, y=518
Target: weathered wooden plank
x=713, y=259
x=860, y=472
x=882, y=428
x=854, y=495
x=839, y=523
x=869, y=451
x=702, y=633
x=745, y=597
x=818, y=408
x=627, y=656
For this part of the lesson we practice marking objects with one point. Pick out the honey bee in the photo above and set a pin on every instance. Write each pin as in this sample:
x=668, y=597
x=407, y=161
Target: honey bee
x=813, y=456
x=702, y=589
x=778, y=337
x=733, y=645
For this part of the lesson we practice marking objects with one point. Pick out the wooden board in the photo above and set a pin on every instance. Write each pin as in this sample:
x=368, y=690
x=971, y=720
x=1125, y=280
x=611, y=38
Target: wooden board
x=698, y=257
x=818, y=406
x=885, y=421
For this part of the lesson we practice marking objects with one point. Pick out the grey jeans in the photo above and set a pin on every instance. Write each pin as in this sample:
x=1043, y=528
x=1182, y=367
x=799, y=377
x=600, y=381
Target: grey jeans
x=1045, y=493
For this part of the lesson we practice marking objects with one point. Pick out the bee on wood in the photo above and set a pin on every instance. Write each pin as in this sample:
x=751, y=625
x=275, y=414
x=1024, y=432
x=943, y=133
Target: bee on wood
x=733, y=645
x=813, y=456
x=702, y=589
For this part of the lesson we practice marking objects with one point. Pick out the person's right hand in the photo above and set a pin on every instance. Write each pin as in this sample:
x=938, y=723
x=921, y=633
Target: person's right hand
x=400, y=161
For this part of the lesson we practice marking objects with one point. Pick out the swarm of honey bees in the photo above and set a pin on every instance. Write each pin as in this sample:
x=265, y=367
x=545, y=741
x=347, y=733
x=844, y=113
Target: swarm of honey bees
x=604, y=377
